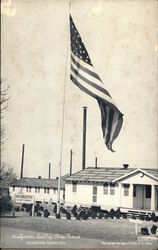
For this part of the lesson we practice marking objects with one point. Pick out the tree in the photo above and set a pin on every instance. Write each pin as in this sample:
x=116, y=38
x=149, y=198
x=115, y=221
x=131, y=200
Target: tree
x=7, y=173
x=3, y=106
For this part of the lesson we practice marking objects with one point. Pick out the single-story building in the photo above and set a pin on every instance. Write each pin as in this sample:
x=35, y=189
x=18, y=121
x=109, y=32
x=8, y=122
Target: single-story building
x=113, y=187
x=43, y=190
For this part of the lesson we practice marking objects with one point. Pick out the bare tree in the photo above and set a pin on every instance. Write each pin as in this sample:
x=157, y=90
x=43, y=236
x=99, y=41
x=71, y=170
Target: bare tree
x=3, y=106
x=7, y=173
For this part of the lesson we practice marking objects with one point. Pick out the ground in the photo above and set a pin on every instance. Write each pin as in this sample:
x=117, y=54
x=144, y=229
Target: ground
x=34, y=232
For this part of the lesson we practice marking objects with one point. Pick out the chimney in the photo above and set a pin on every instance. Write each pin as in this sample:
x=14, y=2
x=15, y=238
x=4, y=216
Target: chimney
x=125, y=166
x=39, y=177
x=70, y=162
x=49, y=173
x=84, y=138
x=22, y=161
x=96, y=162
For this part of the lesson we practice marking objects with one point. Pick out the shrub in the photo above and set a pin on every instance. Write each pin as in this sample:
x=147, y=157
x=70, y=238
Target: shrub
x=5, y=203
x=36, y=209
x=38, y=214
x=112, y=212
x=94, y=215
x=144, y=231
x=147, y=218
x=118, y=213
x=63, y=210
x=89, y=213
x=124, y=216
x=111, y=216
x=55, y=208
x=68, y=216
x=58, y=216
x=17, y=209
x=153, y=215
x=75, y=214
x=28, y=207
x=78, y=217
x=46, y=213
x=154, y=219
x=100, y=216
x=106, y=216
x=84, y=216
x=40, y=208
x=153, y=229
x=82, y=213
x=118, y=216
x=133, y=217
x=74, y=209
x=141, y=217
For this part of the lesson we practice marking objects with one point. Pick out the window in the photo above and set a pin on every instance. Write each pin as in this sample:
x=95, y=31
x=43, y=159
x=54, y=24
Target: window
x=27, y=189
x=126, y=189
x=13, y=188
x=105, y=188
x=30, y=189
x=148, y=191
x=74, y=187
x=134, y=191
x=46, y=190
x=37, y=190
x=112, y=189
x=94, y=194
x=54, y=191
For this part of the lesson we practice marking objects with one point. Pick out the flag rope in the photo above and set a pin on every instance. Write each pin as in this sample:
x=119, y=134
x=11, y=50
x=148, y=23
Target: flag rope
x=63, y=118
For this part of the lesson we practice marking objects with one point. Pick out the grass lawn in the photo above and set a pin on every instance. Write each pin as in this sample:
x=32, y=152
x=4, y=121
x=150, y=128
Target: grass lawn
x=53, y=233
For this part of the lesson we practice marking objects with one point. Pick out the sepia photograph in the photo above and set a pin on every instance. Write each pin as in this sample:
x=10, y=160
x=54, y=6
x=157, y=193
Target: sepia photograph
x=79, y=124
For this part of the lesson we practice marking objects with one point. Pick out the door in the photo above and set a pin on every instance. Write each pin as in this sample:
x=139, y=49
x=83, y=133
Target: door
x=138, y=197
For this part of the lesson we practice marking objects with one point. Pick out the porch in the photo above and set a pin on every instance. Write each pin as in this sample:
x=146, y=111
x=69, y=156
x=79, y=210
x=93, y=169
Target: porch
x=140, y=197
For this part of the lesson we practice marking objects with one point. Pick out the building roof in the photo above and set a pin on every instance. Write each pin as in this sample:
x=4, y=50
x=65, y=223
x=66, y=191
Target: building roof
x=92, y=174
x=39, y=182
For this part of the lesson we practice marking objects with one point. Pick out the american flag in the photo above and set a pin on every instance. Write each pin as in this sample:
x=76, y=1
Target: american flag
x=84, y=76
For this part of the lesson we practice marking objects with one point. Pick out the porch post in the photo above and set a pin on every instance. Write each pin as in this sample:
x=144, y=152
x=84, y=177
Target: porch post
x=132, y=195
x=120, y=193
x=152, y=197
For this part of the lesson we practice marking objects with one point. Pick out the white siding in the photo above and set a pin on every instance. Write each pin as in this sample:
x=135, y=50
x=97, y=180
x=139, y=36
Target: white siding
x=84, y=196
x=41, y=196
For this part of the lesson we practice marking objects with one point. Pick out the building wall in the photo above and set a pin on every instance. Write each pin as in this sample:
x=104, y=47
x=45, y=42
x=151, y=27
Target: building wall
x=140, y=201
x=41, y=196
x=84, y=196
x=139, y=178
x=126, y=201
x=84, y=193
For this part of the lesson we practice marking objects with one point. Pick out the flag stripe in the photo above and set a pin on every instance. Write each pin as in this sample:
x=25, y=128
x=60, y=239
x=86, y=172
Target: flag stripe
x=97, y=94
x=111, y=114
x=88, y=76
x=118, y=128
x=84, y=64
x=89, y=82
x=85, y=69
x=114, y=125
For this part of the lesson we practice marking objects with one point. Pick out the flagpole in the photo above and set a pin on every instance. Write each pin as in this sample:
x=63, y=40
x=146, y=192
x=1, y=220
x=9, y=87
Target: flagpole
x=62, y=129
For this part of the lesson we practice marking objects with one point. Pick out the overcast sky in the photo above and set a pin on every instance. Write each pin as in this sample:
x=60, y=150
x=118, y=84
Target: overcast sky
x=120, y=37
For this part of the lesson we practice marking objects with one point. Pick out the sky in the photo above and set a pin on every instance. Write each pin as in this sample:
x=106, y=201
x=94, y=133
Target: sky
x=121, y=39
